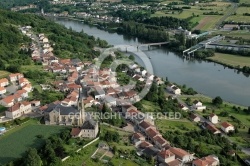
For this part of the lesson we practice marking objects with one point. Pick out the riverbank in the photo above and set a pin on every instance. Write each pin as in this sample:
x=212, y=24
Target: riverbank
x=234, y=61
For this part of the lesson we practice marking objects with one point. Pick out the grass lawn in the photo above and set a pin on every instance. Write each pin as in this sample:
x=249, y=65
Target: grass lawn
x=149, y=106
x=239, y=18
x=16, y=141
x=232, y=60
x=182, y=125
x=244, y=1
x=3, y=74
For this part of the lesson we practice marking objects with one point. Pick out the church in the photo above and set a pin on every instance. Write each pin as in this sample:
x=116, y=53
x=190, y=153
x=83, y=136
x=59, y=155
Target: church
x=58, y=114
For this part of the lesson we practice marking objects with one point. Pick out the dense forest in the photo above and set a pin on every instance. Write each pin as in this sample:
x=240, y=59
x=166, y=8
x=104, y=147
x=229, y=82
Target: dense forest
x=6, y=4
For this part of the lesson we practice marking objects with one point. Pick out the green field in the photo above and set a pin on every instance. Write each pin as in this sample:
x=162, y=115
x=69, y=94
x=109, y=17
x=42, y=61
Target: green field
x=16, y=141
x=232, y=60
x=3, y=74
x=182, y=125
x=149, y=106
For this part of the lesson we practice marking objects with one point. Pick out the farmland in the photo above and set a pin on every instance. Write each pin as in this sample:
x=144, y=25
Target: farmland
x=16, y=141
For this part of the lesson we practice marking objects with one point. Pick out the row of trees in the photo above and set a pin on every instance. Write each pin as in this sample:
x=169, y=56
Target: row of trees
x=150, y=33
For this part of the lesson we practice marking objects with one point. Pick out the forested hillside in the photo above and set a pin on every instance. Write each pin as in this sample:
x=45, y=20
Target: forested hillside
x=12, y=3
x=66, y=43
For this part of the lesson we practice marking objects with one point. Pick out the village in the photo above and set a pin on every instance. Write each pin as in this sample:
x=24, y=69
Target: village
x=85, y=86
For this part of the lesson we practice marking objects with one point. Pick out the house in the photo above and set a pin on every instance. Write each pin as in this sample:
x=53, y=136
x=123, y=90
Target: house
x=165, y=156
x=227, y=127
x=160, y=142
x=35, y=103
x=89, y=129
x=137, y=138
x=198, y=105
x=28, y=87
x=126, y=108
x=23, y=93
x=2, y=90
x=182, y=154
x=8, y=101
x=15, y=77
x=4, y=82
x=143, y=126
x=99, y=93
x=176, y=162
x=144, y=145
x=230, y=27
x=110, y=101
x=195, y=117
x=23, y=81
x=210, y=160
x=151, y=133
x=174, y=89
x=209, y=126
x=183, y=107
x=213, y=118
x=18, y=110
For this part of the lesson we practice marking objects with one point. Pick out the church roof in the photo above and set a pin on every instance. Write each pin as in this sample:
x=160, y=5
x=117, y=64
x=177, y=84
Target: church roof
x=64, y=110
x=89, y=124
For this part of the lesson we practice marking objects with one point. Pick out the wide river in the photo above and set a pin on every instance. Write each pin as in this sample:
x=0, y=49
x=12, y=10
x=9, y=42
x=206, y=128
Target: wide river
x=205, y=77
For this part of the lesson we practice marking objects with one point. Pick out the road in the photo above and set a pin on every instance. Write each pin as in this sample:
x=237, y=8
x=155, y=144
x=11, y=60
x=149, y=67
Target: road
x=232, y=9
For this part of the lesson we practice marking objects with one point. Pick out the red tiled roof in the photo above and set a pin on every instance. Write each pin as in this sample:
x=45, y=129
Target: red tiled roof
x=144, y=125
x=137, y=135
x=226, y=124
x=151, y=132
x=145, y=144
x=75, y=131
x=199, y=162
x=160, y=140
x=179, y=152
x=165, y=154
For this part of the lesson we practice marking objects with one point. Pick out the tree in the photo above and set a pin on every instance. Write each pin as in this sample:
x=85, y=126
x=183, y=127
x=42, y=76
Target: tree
x=217, y=101
x=131, y=57
x=32, y=158
x=249, y=130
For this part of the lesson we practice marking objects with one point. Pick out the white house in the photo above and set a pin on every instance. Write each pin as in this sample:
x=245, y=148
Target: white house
x=137, y=139
x=18, y=110
x=182, y=155
x=4, y=82
x=213, y=118
x=2, y=90
x=166, y=156
x=174, y=89
x=110, y=101
x=99, y=93
x=198, y=105
x=227, y=127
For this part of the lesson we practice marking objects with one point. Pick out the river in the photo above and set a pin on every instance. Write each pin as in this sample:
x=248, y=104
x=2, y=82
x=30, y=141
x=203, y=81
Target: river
x=208, y=78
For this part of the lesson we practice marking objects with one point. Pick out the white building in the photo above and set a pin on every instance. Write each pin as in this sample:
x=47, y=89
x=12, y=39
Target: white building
x=213, y=118
x=198, y=105
x=174, y=89
x=227, y=127
x=18, y=110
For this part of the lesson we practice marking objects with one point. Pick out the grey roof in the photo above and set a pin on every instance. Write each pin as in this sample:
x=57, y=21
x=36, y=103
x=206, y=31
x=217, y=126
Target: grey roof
x=150, y=151
x=64, y=110
x=99, y=91
x=89, y=124
x=109, y=99
x=75, y=61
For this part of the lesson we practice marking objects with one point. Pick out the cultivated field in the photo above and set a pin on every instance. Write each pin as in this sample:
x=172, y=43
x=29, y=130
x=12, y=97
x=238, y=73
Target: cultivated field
x=240, y=33
x=208, y=22
x=16, y=141
x=232, y=60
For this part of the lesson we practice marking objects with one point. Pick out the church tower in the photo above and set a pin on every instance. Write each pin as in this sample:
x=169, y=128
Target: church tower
x=81, y=108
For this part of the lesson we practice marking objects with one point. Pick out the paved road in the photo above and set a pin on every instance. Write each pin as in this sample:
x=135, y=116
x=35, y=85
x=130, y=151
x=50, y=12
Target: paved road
x=232, y=9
